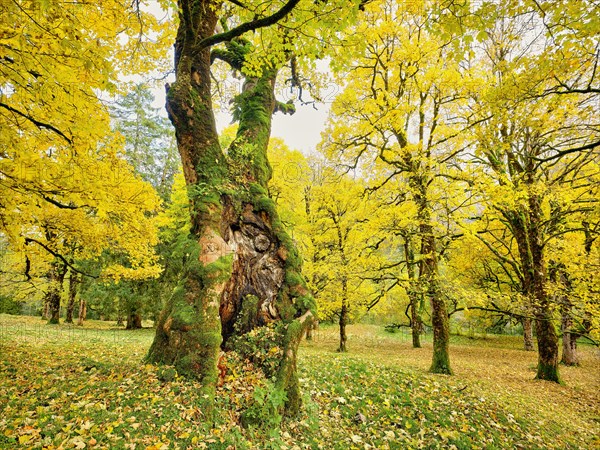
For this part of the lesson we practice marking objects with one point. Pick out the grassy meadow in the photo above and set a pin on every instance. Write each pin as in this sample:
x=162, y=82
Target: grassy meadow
x=68, y=387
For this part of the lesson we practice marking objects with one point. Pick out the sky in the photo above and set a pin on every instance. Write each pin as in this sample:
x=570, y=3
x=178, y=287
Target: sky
x=300, y=131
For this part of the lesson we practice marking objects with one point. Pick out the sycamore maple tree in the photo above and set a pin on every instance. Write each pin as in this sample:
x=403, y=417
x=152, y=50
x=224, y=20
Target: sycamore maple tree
x=403, y=85
x=244, y=270
x=67, y=192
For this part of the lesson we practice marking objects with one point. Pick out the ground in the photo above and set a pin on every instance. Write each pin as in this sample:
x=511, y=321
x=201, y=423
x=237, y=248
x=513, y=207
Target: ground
x=68, y=387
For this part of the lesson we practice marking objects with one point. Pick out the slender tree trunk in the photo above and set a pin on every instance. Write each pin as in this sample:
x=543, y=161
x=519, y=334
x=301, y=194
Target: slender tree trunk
x=569, y=340
x=343, y=322
x=528, y=334
x=53, y=294
x=82, y=312
x=120, y=321
x=73, y=282
x=309, y=331
x=428, y=276
x=45, y=309
x=416, y=323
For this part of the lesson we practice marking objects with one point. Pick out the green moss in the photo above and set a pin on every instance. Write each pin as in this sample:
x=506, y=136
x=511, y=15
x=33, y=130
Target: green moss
x=246, y=319
x=256, y=190
x=184, y=315
x=441, y=362
x=548, y=372
x=220, y=269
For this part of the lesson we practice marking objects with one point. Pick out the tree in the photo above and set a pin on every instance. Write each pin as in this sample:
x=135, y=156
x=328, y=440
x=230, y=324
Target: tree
x=243, y=269
x=67, y=193
x=403, y=87
x=533, y=146
x=149, y=138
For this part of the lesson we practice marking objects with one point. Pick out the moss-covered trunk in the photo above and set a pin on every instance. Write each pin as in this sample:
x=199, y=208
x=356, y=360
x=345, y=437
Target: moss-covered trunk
x=527, y=228
x=266, y=285
x=429, y=283
x=188, y=333
x=242, y=270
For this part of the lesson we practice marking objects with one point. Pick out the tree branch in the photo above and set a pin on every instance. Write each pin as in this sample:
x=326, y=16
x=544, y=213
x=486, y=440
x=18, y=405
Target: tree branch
x=37, y=123
x=245, y=27
x=59, y=256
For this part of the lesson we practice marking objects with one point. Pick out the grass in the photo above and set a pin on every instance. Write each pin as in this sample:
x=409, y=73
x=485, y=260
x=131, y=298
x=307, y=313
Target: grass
x=67, y=387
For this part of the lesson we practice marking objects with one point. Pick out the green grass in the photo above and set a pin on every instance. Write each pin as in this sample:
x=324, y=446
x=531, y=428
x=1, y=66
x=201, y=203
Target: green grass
x=64, y=387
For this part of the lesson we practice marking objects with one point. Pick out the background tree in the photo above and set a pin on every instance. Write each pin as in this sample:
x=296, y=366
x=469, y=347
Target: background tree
x=403, y=86
x=531, y=146
x=66, y=190
x=150, y=145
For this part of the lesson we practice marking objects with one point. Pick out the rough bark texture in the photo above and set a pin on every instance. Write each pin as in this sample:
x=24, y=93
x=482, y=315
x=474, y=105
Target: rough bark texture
x=73, y=283
x=82, y=312
x=56, y=277
x=188, y=330
x=528, y=334
x=134, y=320
x=242, y=269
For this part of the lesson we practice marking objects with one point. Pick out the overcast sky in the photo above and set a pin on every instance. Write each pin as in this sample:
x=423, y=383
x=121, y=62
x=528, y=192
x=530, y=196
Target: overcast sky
x=300, y=131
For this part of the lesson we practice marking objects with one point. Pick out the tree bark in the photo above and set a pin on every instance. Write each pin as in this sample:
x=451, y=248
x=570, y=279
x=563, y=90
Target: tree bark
x=56, y=277
x=428, y=280
x=45, y=309
x=526, y=226
x=343, y=322
x=416, y=323
x=528, y=334
x=134, y=320
x=242, y=269
x=73, y=282
x=569, y=340
x=82, y=312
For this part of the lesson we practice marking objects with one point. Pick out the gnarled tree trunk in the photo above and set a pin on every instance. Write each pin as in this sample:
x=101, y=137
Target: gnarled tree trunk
x=242, y=269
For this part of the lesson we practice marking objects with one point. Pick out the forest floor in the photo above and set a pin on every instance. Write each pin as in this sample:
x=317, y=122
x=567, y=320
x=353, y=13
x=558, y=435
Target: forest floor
x=69, y=387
